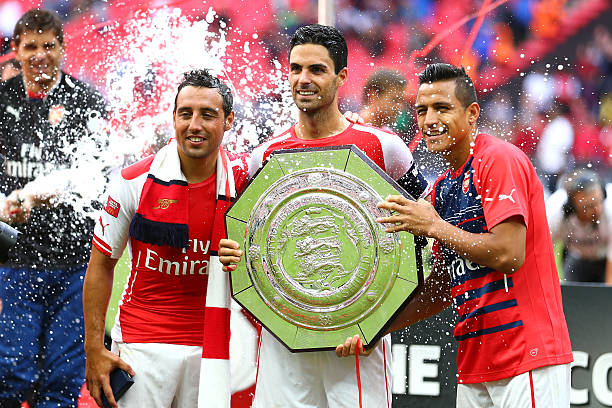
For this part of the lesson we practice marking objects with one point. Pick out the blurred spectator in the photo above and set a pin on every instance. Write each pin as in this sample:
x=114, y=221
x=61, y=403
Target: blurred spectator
x=547, y=18
x=44, y=113
x=518, y=14
x=10, y=11
x=499, y=116
x=383, y=98
x=553, y=150
x=9, y=69
x=538, y=91
x=580, y=215
x=602, y=40
x=588, y=147
x=367, y=21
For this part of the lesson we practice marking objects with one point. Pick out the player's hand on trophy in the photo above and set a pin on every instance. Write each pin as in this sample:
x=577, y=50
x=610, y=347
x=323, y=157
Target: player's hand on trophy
x=351, y=346
x=229, y=254
x=98, y=366
x=353, y=117
x=416, y=217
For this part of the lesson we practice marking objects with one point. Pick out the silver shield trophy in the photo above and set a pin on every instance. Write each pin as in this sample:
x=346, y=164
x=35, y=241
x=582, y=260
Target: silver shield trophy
x=317, y=266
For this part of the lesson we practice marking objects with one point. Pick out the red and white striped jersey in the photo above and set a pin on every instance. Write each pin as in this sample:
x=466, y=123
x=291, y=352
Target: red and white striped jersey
x=386, y=149
x=164, y=296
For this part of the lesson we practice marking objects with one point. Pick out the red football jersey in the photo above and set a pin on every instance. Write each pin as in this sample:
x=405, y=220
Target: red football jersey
x=384, y=148
x=164, y=296
x=508, y=324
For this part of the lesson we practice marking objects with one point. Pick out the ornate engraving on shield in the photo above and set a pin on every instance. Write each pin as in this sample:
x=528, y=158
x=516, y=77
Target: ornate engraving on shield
x=317, y=265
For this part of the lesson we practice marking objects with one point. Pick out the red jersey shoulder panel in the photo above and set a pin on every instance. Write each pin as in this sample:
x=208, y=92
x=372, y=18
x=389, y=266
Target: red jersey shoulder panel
x=138, y=168
x=491, y=146
x=240, y=168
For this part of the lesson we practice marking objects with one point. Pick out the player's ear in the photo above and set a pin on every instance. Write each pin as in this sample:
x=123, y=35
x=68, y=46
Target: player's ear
x=229, y=121
x=473, y=112
x=342, y=76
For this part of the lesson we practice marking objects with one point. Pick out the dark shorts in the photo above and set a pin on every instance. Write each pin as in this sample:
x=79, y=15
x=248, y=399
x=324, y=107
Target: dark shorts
x=41, y=335
x=581, y=270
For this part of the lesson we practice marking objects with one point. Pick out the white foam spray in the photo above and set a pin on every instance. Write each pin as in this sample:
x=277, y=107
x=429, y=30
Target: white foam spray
x=141, y=76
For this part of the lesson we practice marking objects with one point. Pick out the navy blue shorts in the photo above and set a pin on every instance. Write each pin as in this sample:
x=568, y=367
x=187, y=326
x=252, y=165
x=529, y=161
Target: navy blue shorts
x=41, y=335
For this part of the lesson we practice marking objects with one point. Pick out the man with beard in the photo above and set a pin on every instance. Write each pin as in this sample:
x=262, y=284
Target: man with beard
x=317, y=68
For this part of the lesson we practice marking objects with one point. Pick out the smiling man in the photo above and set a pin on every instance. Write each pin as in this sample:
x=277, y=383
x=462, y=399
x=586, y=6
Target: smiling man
x=493, y=256
x=317, y=68
x=168, y=209
x=44, y=113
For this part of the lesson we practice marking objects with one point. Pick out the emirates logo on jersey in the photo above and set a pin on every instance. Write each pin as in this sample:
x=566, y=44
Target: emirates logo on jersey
x=465, y=186
x=56, y=114
x=164, y=203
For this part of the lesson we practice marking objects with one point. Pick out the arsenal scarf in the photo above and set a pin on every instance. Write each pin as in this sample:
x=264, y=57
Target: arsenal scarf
x=215, y=366
x=167, y=185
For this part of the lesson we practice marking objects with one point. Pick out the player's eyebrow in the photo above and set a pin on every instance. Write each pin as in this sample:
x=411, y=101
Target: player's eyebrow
x=437, y=104
x=318, y=66
x=210, y=111
x=322, y=67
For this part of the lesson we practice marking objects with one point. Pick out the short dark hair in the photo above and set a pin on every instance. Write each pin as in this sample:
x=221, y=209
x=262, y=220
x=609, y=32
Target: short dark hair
x=581, y=179
x=201, y=78
x=39, y=20
x=464, y=87
x=577, y=181
x=327, y=36
x=381, y=80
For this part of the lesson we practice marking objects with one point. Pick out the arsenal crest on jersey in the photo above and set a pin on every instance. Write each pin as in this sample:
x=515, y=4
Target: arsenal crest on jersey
x=465, y=186
x=56, y=114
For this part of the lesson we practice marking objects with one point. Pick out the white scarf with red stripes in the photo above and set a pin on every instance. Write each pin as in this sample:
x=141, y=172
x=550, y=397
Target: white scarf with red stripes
x=215, y=379
x=214, y=388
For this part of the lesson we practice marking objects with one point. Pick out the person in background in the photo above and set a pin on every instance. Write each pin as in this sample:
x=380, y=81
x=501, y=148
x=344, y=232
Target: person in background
x=553, y=151
x=580, y=216
x=44, y=113
x=383, y=98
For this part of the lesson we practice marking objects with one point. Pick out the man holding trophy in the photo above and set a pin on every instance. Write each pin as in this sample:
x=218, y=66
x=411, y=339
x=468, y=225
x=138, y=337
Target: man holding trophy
x=317, y=60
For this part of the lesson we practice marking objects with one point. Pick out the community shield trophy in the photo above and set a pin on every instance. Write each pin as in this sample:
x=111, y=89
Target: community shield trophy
x=317, y=267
